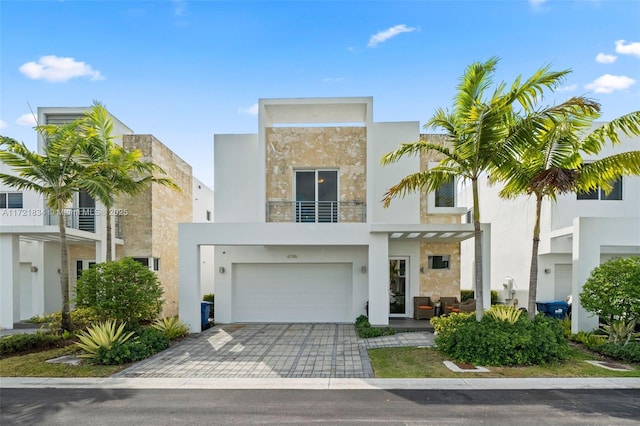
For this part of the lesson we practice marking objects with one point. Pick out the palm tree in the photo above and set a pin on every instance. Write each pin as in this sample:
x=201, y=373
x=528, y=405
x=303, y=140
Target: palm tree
x=477, y=127
x=551, y=163
x=56, y=175
x=115, y=170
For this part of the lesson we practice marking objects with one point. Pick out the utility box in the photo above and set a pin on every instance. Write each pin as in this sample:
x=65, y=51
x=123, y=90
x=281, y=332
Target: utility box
x=557, y=309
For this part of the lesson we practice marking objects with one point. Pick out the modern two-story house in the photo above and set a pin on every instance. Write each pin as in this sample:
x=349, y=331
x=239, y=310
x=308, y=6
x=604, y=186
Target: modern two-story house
x=300, y=232
x=145, y=227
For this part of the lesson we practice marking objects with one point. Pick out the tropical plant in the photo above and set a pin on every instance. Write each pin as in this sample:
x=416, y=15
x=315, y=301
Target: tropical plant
x=116, y=171
x=172, y=327
x=620, y=332
x=122, y=290
x=57, y=175
x=102, y=335
x=477, y=127
x=548, y=161
x=509, y=314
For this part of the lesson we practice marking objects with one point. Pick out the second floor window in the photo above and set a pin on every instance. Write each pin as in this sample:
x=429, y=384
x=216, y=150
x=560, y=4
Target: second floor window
x=316, y=195
x=445, y=196
x=11, y=200
x=600, y=194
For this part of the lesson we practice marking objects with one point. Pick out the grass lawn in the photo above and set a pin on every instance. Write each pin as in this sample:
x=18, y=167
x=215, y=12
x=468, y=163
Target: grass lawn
x=34, y=365
x=427, y=362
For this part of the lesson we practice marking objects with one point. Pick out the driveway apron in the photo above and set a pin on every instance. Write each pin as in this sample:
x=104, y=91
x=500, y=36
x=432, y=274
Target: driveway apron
x=262, y=350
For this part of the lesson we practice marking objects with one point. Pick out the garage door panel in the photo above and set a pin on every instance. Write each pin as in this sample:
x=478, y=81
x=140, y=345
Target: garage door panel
x=292, y=292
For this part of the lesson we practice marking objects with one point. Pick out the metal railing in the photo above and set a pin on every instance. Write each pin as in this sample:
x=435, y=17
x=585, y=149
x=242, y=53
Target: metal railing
x=316, y=211
x=83, y=219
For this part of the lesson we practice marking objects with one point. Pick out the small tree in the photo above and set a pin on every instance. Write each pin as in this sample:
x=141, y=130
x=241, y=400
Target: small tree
x=124, y=290
x=613, y=290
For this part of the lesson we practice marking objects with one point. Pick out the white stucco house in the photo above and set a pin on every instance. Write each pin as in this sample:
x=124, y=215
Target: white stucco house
x=578, y=232
x=142, y=229
x=300, y=232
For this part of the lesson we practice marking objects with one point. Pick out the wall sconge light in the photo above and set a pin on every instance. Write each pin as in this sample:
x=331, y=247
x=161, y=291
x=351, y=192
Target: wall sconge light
x=422, y=269
x=34, y=269
x=363, y=269
x=547, y=271
x=221, y=269
x=59, y=270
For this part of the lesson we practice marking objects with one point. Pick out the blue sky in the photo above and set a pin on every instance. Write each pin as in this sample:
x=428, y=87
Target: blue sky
x=185, y=70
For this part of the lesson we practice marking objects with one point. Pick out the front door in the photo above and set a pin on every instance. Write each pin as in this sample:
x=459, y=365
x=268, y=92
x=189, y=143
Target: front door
x=398, y=286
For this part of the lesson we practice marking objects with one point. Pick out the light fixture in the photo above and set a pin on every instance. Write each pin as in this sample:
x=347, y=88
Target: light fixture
x=422, y=269
x=34, y=269
x=363, y=269
x=221, y=269
x=321, y=180
x=547, y=271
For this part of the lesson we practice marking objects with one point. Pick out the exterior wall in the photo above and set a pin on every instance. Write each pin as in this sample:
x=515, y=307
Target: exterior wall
x=440, y=282
x=151, y=227
x=292, y=148
x=203, y=198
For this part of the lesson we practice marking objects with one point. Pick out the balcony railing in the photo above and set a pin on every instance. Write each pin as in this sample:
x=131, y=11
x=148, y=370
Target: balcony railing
x=316, y=211
x=83, y=219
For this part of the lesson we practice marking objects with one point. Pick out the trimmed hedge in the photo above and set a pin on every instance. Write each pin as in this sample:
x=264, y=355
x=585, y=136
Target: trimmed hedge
x=364, y=329
x=19, y=343
x=148, y=342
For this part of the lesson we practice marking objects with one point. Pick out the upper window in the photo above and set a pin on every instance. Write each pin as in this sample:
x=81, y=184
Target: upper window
x=600, y=194
x=10, y=200
x=316, y=195
x=445, y=195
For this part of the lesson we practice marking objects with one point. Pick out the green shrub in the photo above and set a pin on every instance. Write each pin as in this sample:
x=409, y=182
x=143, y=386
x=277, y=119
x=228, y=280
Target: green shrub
x=19, y=343
x=588, y=339
x=147, y=342
x=509, y=314
x=101, y=336
x=496, y=342
x=629, y=352
x=447, y=324
x=470, y=294
x=172, y=327
x=208, y=298
x=123, y=290
x=81, y=318
x=364, y=329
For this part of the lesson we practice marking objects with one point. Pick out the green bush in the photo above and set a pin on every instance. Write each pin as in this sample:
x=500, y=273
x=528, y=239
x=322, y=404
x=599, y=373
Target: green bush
x=208, y=298
x=102, y=336
x=19, y=343
x=629, y=352
x=470, y=294
x=172, y=327
x=81, y=318
x=364, y=329
x=147, y=342
x=496, y=342
x=123, y=290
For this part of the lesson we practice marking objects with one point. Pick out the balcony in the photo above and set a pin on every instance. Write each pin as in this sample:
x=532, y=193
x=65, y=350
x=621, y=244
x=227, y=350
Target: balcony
x=316, y=211
x=83, y=219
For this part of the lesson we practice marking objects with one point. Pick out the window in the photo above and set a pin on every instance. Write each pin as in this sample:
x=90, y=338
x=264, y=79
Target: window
x=153, y=263
x=316, y=195
x=10, y=200
x=208, y=216
x=600, y=194
x=445, y=195
x=439, y=262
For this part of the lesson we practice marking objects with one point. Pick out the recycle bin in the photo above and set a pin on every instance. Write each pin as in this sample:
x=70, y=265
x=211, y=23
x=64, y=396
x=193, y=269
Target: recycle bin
x=557, y=309
x=205, y=309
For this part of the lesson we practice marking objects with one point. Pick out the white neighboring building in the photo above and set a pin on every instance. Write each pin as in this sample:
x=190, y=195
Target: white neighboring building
x=577, y=234
x=300, y=232
x=203, y=213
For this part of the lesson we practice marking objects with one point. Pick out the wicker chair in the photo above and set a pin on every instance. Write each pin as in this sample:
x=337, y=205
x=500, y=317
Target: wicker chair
x=466, y=306
x=423, y=308
x=447, y=303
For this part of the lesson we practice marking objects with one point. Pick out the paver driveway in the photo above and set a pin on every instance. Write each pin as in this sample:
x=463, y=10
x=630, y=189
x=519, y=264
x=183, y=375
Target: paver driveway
x=271, y=350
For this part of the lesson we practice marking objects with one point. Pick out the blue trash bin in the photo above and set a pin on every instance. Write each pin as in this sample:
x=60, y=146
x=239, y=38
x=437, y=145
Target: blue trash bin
x=205, y=309
x=556, y=309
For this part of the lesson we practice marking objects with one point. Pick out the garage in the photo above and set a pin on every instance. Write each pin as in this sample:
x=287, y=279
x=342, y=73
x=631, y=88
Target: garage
x=301, y=292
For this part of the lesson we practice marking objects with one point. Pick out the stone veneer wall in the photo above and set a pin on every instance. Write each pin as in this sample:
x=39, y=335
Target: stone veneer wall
x=151, y=227
x=438, y=282
x=291, y=148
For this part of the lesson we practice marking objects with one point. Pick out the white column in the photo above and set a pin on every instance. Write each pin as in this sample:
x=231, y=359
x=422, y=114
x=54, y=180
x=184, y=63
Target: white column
x=9, y=278
x=379, y=279
x=189, y=277
x=586, y=257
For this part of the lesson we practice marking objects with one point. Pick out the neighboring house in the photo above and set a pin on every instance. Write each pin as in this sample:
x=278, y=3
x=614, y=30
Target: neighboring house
x=578, y=232
x=300, y=232
x=145, y=229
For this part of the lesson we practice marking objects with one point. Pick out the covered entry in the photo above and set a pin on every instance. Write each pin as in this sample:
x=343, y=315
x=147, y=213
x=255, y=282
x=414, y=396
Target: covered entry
x=286, y=292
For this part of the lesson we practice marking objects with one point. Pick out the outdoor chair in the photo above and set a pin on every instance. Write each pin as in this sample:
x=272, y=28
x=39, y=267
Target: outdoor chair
x=447, y=303
x=468, y=305
x=423, y=308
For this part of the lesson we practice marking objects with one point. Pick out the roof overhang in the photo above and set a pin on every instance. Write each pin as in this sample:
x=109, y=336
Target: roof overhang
x=49, y=234
x=436, y=232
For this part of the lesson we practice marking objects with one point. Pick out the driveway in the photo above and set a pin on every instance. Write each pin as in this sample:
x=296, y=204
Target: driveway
x=271, y=350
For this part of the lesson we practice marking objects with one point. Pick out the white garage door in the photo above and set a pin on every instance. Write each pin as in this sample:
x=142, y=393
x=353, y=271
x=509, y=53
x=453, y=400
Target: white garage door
x=292, y=292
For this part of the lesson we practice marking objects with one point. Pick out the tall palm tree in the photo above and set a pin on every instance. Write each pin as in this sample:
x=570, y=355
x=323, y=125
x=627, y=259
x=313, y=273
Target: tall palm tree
x=477, y=126
x=56, y=175
x=115, y=170
x=551, y=163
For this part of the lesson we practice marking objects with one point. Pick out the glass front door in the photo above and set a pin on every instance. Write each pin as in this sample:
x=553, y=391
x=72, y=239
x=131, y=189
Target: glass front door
x=398, y=285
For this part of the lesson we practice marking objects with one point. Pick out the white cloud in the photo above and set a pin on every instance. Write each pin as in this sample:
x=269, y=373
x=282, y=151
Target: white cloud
x=536, y=3
x=332, y=79
x=3, y=124
x=631, y=48
x=610, y=83
x=27, y=120
x=606, y=59
x=385, y=35
x=252, y=110
x=179, y=7
x=569, y=88
x=58, y=69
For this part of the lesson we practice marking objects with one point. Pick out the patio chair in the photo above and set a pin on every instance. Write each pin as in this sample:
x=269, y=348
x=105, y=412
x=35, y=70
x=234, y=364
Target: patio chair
x=468, y=305
x=423, y=308
x=447, y=303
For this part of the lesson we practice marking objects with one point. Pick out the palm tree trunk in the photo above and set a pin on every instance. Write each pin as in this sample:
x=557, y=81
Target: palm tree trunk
x=64, y=269
x=533, y=273
x=109, y=236
x=477, y=237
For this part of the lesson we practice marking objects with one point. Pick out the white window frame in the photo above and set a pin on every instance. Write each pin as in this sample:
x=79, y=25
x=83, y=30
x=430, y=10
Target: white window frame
x=295, y=190
x=431, y=200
